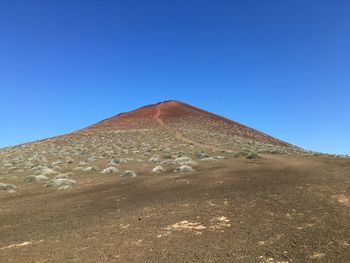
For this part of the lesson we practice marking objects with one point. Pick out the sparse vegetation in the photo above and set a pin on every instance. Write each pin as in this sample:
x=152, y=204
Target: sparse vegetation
x=157, y=169
x=110, y=170
x=184, y=169
x=187, y=183
x=60, y=182
x=129, y=173
x=35, y=178
x=7, y=186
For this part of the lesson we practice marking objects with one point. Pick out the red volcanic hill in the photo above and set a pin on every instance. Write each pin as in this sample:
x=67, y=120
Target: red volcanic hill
x=191, y=122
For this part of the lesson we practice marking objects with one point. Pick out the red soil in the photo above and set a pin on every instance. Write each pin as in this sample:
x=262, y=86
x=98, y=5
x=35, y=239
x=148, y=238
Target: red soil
x=168, y=113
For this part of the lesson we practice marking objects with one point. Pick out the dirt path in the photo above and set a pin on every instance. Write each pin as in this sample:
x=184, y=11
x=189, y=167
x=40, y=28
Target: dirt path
x=158, y=117
x=182, y=137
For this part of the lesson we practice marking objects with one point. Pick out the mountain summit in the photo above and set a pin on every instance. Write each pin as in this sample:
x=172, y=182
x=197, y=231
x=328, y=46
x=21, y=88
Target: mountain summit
x=190, y=123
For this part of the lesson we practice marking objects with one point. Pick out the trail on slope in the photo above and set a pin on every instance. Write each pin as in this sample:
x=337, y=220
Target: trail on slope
x=182, y=137
x=159, y=119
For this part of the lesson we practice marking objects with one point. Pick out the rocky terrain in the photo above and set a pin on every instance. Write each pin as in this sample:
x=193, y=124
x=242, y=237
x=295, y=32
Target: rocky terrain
x=172, y=183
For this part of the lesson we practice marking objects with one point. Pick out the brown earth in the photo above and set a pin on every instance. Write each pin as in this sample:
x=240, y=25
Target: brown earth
x=282, y=208
x=171, y=112
x=281, y=204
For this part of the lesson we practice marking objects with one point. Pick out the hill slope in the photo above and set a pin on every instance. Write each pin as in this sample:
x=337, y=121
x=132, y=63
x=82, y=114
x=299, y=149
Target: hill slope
x=172, y=183
x=191, y=123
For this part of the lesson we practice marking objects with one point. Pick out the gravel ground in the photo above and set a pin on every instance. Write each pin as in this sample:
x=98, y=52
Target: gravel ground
x=280, y=208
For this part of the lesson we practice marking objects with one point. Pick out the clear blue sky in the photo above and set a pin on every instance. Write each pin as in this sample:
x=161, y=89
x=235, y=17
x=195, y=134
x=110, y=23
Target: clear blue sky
x=282, y=67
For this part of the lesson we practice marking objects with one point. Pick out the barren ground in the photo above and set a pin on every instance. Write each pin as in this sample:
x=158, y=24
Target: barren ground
x=275, y=209
x=167, y=184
